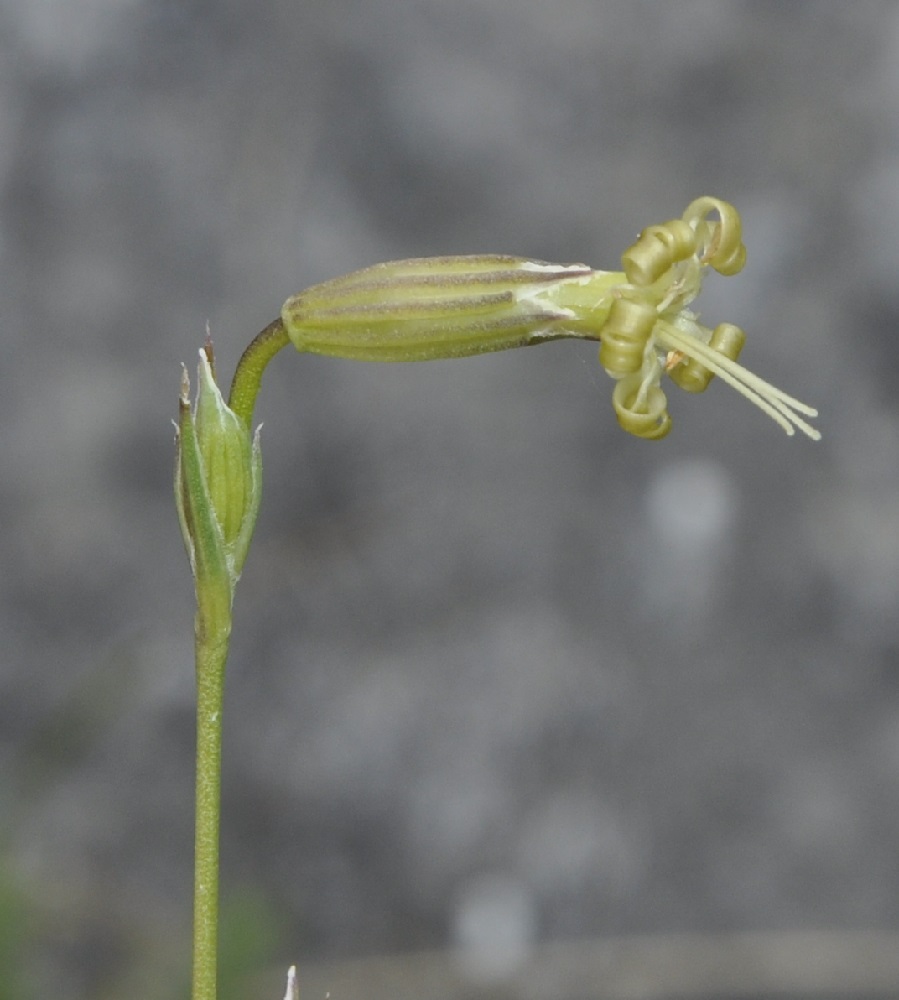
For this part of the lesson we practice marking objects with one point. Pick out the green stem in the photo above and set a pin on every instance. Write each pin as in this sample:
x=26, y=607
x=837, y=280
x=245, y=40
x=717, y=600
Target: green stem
x=215, y=589
x=211, y=653
x=248, y=375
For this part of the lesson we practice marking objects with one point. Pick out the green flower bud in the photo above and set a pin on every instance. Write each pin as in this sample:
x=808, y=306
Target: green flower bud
x=218, y=479
x=226, y=453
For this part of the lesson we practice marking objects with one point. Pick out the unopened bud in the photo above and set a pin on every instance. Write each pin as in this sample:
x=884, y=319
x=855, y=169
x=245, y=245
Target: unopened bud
x=226, y=452
x=218, y=481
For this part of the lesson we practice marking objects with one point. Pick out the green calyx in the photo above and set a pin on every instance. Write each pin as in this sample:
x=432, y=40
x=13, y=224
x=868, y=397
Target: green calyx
x=429, y=308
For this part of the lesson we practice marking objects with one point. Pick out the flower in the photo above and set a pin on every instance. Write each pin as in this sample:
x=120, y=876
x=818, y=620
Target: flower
x=651, y=331
x=448, y=307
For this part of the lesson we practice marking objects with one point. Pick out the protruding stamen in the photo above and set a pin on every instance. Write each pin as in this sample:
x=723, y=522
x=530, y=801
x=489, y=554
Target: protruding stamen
x=783, y=409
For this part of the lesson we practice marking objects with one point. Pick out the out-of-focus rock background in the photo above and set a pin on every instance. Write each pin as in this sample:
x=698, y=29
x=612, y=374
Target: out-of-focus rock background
x=502, y=676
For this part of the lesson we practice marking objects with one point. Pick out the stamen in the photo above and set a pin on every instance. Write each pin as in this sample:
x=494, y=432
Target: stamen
x=783, y=409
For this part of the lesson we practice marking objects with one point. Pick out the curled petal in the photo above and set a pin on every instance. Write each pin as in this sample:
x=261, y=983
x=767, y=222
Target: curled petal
x=641, y=409
x=657, y=250
x=723, y=244
x=624, y=337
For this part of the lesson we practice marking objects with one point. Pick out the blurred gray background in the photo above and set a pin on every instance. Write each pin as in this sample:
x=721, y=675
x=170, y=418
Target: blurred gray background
x=504, y=679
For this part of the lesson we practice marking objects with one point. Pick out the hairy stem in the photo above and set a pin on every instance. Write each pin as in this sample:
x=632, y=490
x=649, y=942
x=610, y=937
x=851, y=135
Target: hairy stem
x=211, y=654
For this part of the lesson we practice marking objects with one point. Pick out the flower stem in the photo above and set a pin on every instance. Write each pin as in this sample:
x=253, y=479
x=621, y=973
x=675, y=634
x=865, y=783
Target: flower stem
x=248, y=375
x=211, y=653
